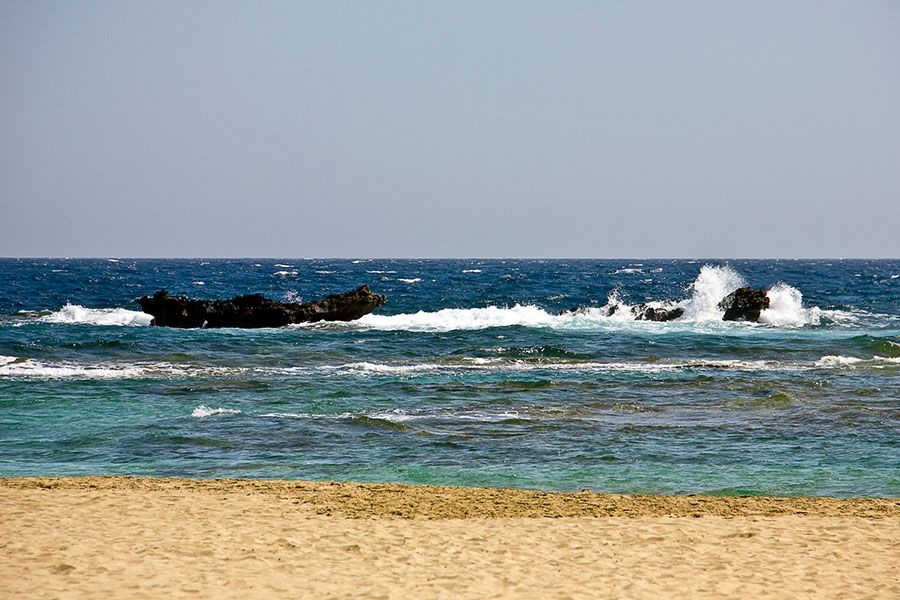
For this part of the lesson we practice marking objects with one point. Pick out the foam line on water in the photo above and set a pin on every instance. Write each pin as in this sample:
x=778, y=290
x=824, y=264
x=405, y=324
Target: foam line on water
x=21, y=368
x=489, y=365
x=203, y=411
x=853, y=362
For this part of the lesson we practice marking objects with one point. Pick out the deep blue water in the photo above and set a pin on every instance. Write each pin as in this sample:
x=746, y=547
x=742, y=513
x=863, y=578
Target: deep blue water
x=467, y=376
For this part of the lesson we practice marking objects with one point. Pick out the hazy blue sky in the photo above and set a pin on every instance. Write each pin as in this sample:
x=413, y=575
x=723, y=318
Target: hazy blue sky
x=450, y=129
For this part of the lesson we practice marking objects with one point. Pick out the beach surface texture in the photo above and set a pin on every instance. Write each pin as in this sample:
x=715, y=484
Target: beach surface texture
x=122, y=537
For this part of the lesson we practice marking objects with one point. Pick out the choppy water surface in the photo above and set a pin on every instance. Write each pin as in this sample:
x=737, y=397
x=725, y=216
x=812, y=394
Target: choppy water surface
x=468, y=376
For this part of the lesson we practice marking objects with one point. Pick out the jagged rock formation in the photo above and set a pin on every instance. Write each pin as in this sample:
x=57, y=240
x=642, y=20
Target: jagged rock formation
x=253, y=310
x=642, y=312
x=744, y=304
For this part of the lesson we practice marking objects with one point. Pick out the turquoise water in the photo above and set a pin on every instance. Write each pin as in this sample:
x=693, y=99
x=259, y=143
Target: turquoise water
x=467, y=376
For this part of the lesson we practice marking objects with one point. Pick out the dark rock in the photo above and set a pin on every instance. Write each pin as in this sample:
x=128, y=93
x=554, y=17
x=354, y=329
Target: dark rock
x=576, y=310
x=642, y=312
x=253, y=310
x=744, y=304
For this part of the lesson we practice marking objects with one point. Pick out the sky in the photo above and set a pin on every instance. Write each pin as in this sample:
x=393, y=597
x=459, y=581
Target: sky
x=762, y=129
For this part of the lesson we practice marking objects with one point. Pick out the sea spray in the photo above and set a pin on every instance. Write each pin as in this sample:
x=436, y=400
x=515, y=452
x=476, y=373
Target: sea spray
x=711, y=285
x=786, y=308
x=76, y=314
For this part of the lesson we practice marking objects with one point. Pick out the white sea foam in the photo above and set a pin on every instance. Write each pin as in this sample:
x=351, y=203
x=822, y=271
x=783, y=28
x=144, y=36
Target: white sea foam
x=712, y=284
x=5, y=360
x=32, y=369
x=205, y=411
x=283, y=266
x=35, y=369
x=472, y=271
x=76, y=314
x=456, y=319
x=877, y=362
x=286, y=273
x=394, y=416
x=503, y=365
x=412, y=280
x=381, y=368
x=292, y=415
x=701, y=309
x=786, y=308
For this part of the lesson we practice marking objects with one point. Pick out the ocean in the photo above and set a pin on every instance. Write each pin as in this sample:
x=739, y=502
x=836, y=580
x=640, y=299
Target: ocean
x=468, y=375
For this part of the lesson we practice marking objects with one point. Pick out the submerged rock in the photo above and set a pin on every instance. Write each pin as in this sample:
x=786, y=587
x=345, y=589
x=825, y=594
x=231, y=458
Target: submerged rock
x=253, y=310
x=744, y=304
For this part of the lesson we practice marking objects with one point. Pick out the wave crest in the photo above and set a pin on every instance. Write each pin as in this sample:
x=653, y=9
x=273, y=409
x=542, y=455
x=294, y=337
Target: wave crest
x=75, y=314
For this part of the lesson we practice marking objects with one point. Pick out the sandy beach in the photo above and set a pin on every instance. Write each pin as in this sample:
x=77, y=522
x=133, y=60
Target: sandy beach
x=116, y=537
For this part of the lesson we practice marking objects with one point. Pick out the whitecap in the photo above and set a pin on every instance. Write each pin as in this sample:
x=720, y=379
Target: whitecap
x=888, y=359
x=381, y=368
x=205, y=411
x=76, y=314
x=34, y=369
x=506, y=365
x=291, y=415
x=456, y=319
x=286, y=273
x=472, y=270
x=394, y=416
x=838, y=361
x=412, y=280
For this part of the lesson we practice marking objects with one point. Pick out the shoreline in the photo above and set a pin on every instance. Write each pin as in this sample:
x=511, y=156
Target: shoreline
x=407, y=501
x=129, y=537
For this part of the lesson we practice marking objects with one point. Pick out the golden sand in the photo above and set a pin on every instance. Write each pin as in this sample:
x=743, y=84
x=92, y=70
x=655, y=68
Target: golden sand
x=113, y=537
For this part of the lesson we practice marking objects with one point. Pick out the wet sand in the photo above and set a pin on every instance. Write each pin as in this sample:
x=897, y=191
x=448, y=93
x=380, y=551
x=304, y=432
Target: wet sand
x=115, y=537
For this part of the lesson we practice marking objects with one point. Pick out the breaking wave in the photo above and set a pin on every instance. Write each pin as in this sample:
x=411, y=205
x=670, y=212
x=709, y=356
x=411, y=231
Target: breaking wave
x=73, y=314
x=702, y=307
x=26, y=368
x=853, y=362
x=205, y=411
x=452, y=319
x=712, y=284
